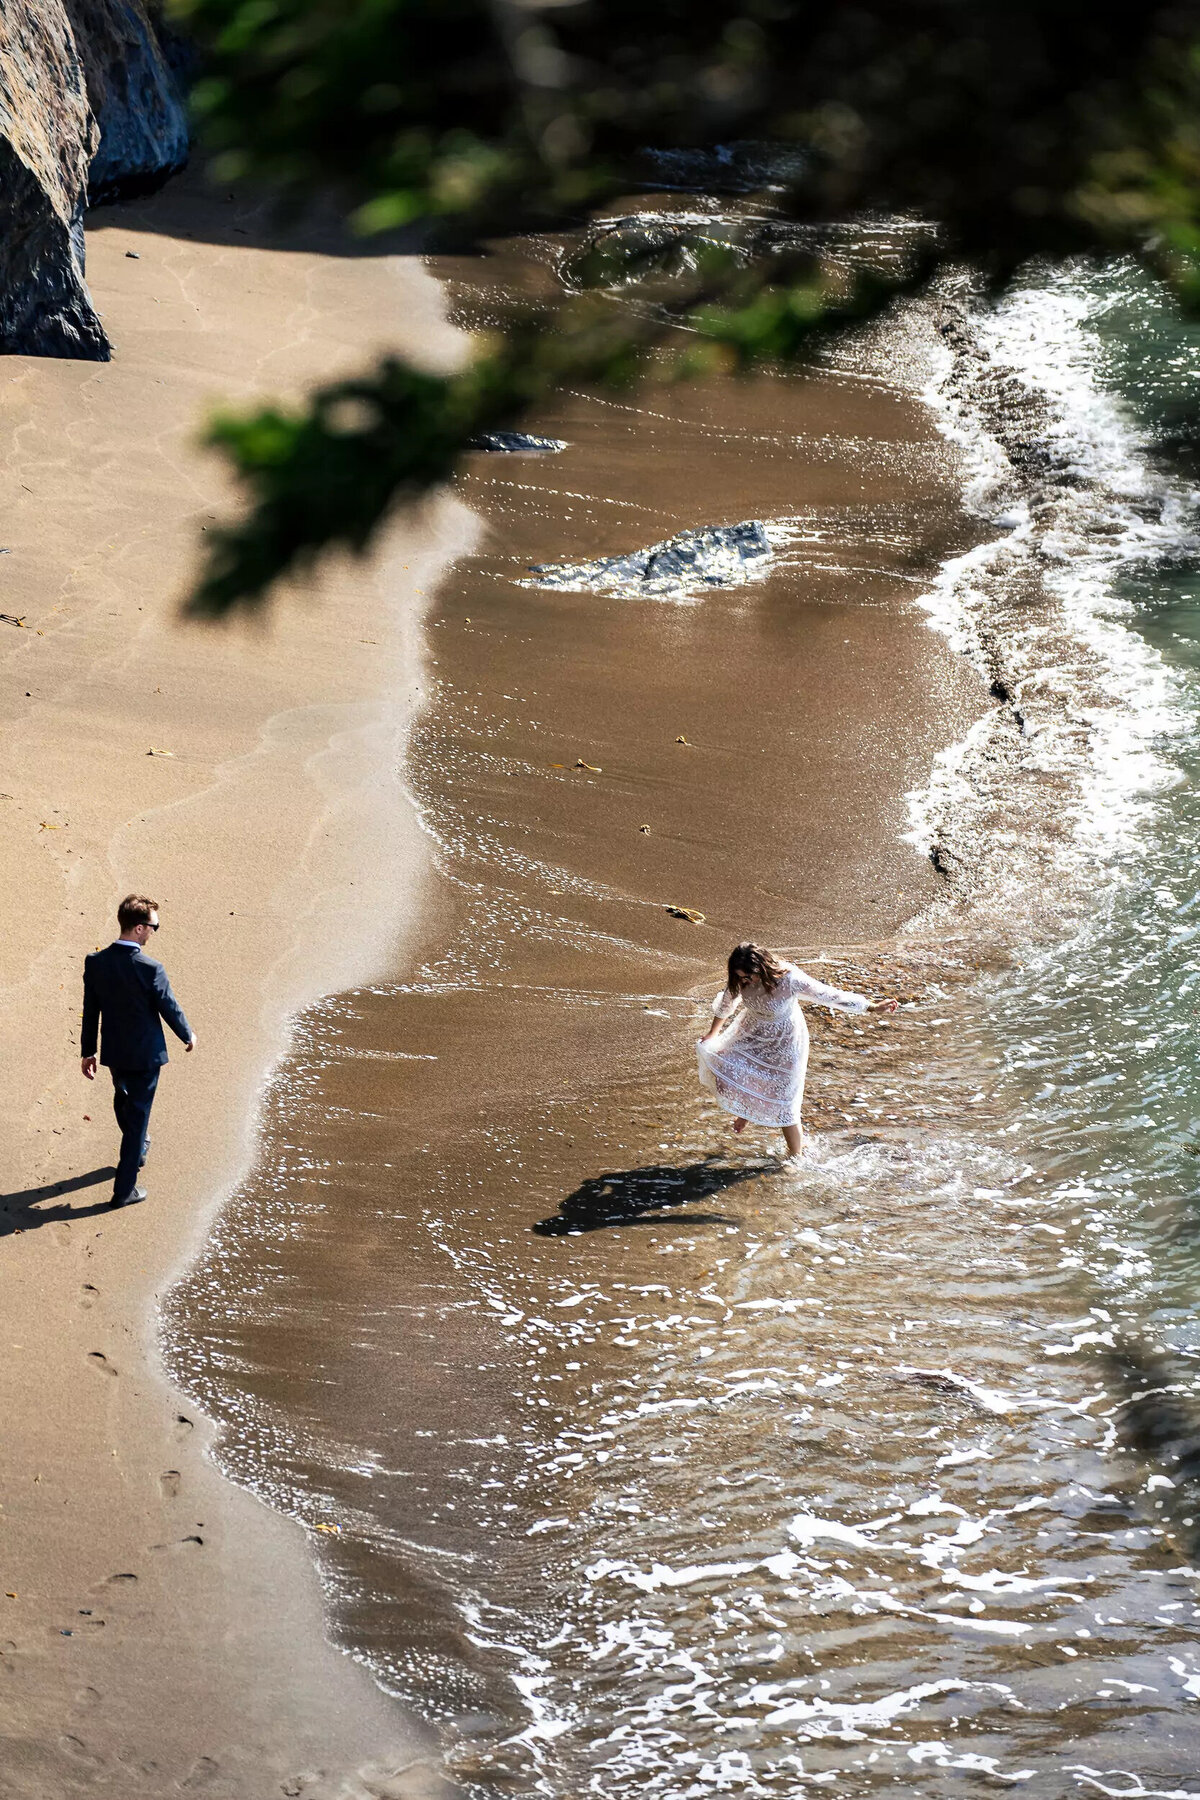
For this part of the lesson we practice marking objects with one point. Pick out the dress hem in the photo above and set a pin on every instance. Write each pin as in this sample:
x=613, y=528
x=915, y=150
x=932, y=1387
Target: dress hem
x=739, y=1110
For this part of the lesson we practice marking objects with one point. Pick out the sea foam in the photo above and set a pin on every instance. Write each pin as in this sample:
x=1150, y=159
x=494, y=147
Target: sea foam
x=1048, y=791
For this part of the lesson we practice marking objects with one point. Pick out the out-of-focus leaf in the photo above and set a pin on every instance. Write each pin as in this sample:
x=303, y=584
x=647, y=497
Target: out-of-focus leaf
x=998, y=130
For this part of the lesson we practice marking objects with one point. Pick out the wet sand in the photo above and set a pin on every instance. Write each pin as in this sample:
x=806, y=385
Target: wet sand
x=160, y=1630
x=526, y=1074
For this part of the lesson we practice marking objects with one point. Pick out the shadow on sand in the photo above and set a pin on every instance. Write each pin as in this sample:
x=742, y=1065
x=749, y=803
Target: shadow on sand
x=17, y=1210
x=631, y=1196
x=190, y=205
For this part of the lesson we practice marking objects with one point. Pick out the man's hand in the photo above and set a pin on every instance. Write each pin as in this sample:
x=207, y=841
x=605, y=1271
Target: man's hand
x=88, y=1065
x=190, y=1045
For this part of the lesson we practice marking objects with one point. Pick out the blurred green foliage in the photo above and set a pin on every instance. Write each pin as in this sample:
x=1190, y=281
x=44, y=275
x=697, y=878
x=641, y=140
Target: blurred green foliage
x=1007, y=131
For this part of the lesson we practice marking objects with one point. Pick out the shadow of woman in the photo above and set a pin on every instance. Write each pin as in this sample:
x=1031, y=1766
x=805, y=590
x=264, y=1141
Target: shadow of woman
x=630, y=1196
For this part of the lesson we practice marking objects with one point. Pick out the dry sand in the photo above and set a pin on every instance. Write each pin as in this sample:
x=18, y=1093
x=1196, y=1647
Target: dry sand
x=159, y=1629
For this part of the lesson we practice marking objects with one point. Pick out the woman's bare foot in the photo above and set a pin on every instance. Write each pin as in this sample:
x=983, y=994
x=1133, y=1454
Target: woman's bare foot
x=739, y=1124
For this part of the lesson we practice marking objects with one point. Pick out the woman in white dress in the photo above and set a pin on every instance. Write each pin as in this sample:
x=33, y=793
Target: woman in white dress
x=754, y=1055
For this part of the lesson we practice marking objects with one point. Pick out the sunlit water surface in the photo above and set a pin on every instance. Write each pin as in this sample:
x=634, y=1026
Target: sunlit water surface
x=818, y=1480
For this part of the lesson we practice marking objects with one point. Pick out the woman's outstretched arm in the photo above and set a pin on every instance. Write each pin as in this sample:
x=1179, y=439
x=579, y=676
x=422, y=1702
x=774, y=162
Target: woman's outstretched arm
x=724, y=1007
x=808, y=990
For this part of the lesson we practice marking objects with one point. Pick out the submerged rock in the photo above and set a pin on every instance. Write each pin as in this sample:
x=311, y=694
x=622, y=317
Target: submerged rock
x=714, y=556
x=87, y=105
x=516, y=442
x=742, y=167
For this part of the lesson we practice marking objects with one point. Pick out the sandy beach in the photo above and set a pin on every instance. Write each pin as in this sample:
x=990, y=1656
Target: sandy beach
x=162, y=1631
x=162, y=1628
x=524, y=1072
x=469, y=1409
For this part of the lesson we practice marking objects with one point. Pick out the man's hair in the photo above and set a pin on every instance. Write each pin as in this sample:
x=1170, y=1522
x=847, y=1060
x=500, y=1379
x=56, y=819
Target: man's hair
x=135, y=909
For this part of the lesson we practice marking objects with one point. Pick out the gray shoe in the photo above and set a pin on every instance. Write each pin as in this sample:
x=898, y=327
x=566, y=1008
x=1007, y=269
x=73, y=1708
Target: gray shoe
x=128, y=1199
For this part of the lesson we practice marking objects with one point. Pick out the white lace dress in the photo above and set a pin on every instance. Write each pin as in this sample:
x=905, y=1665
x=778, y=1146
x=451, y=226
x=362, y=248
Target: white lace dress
x=756, y=1065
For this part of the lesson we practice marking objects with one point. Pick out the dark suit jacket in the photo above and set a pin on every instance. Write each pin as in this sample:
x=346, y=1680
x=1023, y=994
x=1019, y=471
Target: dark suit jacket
x=128, y=994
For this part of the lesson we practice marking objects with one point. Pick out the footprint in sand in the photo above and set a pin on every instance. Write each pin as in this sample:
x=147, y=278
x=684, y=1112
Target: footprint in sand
x=182, y=1426
x=99, y=1361
x=87, y=1696
x=115, y=1580
x=169, y=1482
x=179, y=1543
x=78, y=1751
x=200, y=1773
x=88, y=1295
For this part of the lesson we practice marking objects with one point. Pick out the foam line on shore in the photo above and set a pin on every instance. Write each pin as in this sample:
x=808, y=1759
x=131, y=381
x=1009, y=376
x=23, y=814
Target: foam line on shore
x=1049, y=789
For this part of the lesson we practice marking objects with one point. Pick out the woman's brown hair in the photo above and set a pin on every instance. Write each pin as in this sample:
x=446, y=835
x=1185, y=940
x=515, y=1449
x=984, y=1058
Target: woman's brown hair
x=749, y=962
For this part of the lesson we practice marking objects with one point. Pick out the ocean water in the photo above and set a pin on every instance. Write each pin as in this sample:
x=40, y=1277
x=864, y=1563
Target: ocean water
x=833, y=1478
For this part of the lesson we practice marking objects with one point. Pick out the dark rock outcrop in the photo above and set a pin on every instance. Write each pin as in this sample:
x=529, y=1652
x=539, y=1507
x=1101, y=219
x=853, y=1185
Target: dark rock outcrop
x=88, y=105
x=47, y=139
x=134, y=96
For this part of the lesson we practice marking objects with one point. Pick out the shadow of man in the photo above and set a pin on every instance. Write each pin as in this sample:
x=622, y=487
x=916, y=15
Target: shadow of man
x=17, y=1208
x=628, y=1196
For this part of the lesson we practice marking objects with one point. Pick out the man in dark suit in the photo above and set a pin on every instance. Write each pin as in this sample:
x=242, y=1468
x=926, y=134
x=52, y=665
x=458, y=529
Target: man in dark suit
x=127, y=994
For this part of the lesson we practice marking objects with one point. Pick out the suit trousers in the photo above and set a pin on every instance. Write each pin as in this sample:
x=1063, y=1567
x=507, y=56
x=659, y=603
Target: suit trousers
x=133, y=1096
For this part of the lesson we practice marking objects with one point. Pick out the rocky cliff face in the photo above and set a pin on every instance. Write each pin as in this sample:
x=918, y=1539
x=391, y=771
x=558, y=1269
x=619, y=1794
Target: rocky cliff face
x=89, y=109
x=133, y=95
